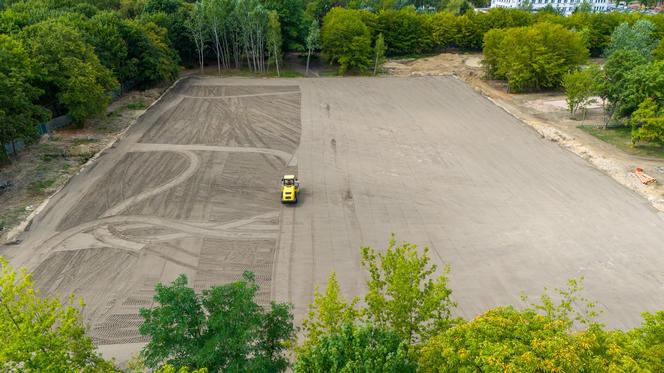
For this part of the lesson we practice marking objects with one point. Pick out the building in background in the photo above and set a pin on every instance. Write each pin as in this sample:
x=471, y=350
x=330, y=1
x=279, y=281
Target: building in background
x=565, y=6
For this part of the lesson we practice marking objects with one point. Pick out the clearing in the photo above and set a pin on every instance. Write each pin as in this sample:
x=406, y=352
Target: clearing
x=193, y=188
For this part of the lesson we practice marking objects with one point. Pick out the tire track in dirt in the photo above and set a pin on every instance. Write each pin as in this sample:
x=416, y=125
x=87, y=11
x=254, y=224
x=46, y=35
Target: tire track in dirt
x=228, y=231
x=249, y=95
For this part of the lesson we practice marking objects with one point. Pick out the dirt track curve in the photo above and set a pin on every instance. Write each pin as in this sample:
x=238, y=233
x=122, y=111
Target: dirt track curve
x=193, y=188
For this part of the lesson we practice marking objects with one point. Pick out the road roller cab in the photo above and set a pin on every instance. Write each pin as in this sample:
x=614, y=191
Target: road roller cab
x=290, y=187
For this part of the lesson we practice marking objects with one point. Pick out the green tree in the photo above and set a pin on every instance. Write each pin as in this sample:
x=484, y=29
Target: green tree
x=403, y=294
x=580, y=87
x=442, y=27
x=274, y=39
x=618, y=72
x=328, y=313
x=505, y=339
x=150, y=59
x=221, y=329
x=403, y=30
x=69, y=70
x=293, y=22
x=345, y=39
x=640, y=38
x=547, y=336
x=313, y=41
x=18, y=113
x=357, y=349
x=648, y=122
x=658, y=52
x=39, y=333
x=379, y=51
x=534, y=57
x=584, y=7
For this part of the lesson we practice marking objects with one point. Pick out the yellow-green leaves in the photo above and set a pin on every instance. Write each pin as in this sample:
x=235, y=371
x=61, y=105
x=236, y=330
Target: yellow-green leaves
x=40, y=333
x=404, y=292
x=328, y=313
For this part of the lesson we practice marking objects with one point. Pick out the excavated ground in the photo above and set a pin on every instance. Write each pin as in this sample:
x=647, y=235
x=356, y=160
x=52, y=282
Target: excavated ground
x=193, y=188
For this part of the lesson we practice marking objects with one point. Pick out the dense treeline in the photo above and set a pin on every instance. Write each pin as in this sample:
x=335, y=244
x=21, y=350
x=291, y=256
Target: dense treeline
x=408, y=32
x=66, y=57
x=405, y=323
x=630, y=85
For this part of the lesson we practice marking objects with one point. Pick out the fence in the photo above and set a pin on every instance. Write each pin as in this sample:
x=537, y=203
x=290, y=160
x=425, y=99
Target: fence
x=43, y=128
x=63, y=120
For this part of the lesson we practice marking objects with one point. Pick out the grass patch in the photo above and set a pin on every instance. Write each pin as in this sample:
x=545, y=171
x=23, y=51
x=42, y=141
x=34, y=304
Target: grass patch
x=41, y=186
x=137, y=105
x=83, y=140
x=11, y=218
x=621, y=138
x=328, y=73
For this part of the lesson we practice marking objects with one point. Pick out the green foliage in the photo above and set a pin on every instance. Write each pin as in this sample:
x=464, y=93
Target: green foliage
x=293, y=22
x=274, y=39
x=221, y=329
x=357, y=349
x=442, y=26
x=543, y=337
x=345, y=39
x=379, y=51
x=18, y=114
x=658, y=52
x=40, y=334
x=584, y=7
x=639, y=37
x=328, y=313
x=68, y=67
x=403, y=294
x=505, y=339
x=648, y=122
x=149, y=57
x=580, y=86
x=534, y=57
x=403, y=30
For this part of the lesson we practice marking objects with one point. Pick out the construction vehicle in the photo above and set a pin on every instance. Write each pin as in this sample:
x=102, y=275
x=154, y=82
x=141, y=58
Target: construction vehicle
x=290, y=187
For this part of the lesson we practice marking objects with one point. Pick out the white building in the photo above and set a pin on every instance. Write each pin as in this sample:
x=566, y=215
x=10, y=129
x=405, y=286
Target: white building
x=566, y=6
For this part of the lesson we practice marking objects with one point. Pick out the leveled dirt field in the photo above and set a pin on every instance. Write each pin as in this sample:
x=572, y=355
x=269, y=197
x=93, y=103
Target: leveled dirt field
x=193, y=188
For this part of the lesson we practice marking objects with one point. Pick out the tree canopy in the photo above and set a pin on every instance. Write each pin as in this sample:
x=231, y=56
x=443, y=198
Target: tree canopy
x=222, y=329
x=40, y=333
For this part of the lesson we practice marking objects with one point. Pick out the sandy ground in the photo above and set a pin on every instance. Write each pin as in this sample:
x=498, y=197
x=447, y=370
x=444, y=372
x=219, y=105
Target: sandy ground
x=193, y=188
x=45, y=167
x=547, y=113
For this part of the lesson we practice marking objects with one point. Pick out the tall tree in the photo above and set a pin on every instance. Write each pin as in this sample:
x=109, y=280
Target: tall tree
x=379, y=51
x=222, y=329
x=346, y=39
x=19, y=114
x=39, y=333
x=197, y=27
x=313, y=41
x=640, y=38
x=70, y=71
x=274, y=39
x=403, y=294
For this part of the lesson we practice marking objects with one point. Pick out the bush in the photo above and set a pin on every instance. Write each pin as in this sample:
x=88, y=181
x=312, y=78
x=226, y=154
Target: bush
x=345, y=39
x=404, y=31
x=533, y=58
x=357, y=349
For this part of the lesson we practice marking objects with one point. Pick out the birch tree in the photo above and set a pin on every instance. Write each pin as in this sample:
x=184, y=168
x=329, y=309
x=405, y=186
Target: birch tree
x=313, y=41
x=274, y=39
x=379, y=50
x=196, y=25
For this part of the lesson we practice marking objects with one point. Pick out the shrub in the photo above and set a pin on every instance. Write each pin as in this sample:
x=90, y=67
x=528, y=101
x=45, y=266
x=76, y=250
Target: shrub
x=534, y=57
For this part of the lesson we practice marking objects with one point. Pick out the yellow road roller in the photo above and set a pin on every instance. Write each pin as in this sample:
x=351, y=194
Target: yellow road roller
x=290, y=187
